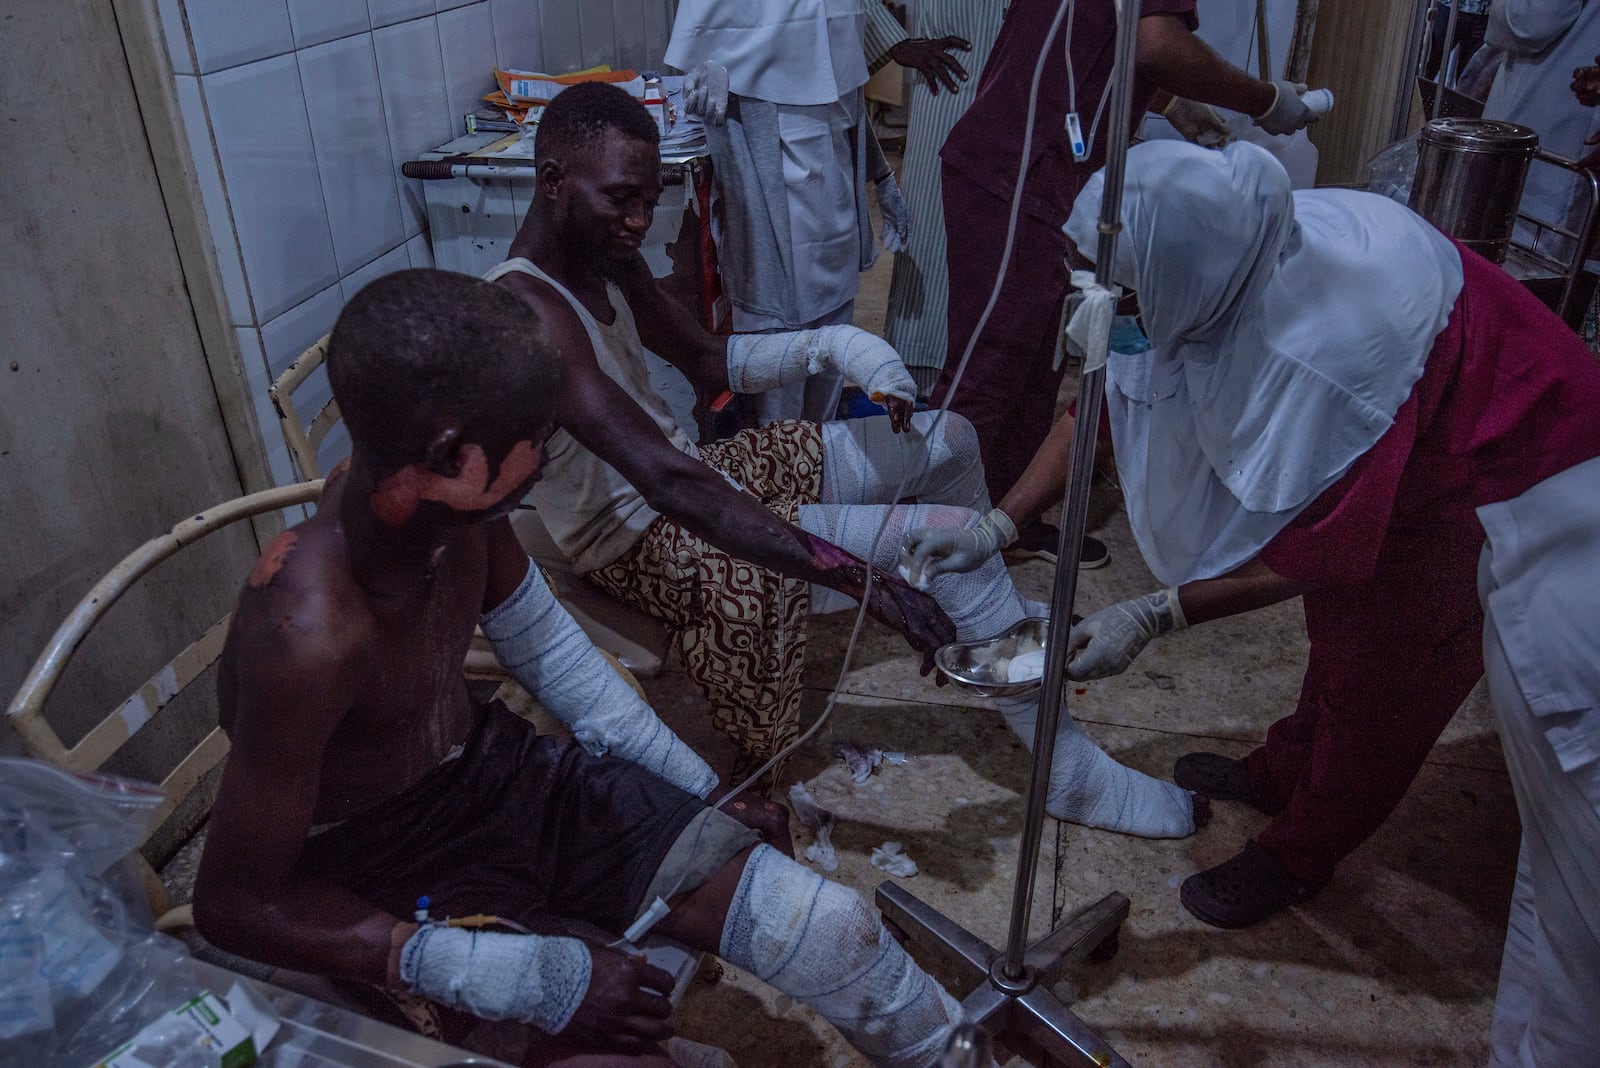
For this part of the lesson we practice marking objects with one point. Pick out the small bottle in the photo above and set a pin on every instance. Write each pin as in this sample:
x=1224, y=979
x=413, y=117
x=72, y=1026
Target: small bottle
x=655, y=102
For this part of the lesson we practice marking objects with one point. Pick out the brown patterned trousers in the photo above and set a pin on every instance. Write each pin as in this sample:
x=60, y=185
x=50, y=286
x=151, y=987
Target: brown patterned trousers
x=740, y=629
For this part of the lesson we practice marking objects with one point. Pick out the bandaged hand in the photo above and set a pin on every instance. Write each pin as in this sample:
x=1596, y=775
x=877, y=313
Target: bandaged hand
x=759, y=362
x=932, y=551
x=1106, y=642
x=705, y=93
x=896, y=216
x=537, y=979
x=1198, y=123
x=1288, y=112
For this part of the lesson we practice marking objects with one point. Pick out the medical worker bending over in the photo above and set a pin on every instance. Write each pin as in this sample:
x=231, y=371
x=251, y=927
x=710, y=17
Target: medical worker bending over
x=1340, y=403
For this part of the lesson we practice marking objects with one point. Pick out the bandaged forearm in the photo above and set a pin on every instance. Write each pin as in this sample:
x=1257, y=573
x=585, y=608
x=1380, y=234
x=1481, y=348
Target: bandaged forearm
x=538, y=979
x=759, y=362
x=549, y=654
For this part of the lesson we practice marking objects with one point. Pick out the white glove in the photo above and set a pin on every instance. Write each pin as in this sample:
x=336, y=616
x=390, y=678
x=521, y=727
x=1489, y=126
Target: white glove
x=896, y=216
x=1198, y=123
x=538, y=979
x=931, y=551
x=1288, y=112
x=1106, y=642
x=705, y=93
x=759, y=362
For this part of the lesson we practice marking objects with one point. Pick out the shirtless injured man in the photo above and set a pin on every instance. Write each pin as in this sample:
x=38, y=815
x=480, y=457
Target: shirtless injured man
x=363, y=776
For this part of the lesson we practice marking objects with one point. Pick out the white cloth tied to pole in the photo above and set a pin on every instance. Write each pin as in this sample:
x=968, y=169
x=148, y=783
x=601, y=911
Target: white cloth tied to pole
x=1090, y=325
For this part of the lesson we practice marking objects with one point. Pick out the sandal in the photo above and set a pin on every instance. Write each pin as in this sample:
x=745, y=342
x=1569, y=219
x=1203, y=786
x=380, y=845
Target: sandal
x=1244, y=890
x=1221, y=779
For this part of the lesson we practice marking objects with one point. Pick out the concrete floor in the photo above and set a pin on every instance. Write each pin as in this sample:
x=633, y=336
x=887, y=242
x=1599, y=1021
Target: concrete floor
x=1394, y=963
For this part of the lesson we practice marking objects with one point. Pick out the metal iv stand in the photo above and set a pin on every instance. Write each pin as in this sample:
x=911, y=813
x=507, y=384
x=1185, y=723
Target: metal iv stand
x=1012, y=993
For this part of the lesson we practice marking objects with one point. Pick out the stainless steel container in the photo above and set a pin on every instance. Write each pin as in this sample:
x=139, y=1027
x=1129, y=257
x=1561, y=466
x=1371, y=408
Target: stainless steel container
x=1469, y=179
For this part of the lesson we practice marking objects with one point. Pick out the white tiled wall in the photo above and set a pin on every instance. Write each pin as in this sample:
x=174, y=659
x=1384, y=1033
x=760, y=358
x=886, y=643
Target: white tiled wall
x=300, y=113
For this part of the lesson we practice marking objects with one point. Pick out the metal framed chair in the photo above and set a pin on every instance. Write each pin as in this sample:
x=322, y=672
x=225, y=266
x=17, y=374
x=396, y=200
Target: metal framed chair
x=638, y=641
x=25, y=713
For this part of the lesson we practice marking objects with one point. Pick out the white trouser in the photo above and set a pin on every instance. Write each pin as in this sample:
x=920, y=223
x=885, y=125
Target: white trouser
x=1547, y=1010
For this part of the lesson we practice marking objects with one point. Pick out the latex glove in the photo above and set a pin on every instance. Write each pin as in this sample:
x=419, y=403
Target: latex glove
x=896, y=216
x=705, y=93
x=1288, y=112
x=1477, y=75
x=1198, y=123
x=930, y=552
x=1106, y=642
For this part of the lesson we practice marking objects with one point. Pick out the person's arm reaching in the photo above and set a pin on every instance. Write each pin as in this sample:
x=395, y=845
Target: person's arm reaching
x=1107, y=641
x=1181, y=63
x=929, y=553
x=601, y=416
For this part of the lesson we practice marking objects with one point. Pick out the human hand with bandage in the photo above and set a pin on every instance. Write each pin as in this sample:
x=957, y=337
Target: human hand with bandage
x=930, y=552
x=759, y=362
x=1106, y=642
x=705, y=93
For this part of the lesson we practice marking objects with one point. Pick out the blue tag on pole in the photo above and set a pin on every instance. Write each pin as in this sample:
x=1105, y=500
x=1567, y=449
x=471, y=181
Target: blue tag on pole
x=1080, y=151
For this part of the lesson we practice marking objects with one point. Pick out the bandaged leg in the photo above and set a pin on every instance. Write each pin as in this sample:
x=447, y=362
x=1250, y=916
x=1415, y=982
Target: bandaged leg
x=1089, y=787
x=823, y=944
x=1086, y=785
x=864, y=462
x=549, y=654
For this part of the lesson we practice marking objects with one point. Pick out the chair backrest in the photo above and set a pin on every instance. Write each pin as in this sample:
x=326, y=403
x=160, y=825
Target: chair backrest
x=304, y=439
x=25, y=713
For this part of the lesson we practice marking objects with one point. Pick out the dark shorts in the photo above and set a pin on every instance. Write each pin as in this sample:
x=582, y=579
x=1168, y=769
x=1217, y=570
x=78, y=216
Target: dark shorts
x=519, y=825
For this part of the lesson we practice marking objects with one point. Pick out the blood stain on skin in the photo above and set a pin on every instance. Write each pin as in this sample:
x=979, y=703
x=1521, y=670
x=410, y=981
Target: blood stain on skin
x=273, y=559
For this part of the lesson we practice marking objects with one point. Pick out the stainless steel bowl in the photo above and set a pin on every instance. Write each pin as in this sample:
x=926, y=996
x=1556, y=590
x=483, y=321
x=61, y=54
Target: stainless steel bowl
x=973, y=665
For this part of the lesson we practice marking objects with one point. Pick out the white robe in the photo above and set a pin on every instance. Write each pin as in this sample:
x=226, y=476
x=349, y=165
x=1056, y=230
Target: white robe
x=1286, y=329
x=1538, y=578
x=1545, y=40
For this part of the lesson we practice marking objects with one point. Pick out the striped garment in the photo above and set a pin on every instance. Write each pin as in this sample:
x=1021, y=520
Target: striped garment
x=915, y=325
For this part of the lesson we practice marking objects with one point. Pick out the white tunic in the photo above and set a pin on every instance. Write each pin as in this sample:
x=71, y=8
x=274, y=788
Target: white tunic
x=1286, y=329
x=1545, y=40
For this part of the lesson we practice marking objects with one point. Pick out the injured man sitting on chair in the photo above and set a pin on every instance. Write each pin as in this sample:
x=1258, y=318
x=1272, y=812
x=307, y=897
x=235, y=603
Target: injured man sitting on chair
x=674, y=529
x=369, y=805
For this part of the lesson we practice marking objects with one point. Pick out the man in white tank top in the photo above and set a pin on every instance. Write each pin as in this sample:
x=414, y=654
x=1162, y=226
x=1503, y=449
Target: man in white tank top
x=673, y=529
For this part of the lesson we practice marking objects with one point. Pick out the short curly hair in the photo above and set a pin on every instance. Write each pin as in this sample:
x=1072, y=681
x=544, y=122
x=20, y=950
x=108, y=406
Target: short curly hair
x=581, y=113
x=421, y=345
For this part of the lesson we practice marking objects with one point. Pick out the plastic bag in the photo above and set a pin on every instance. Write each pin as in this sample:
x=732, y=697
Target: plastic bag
x=81, y=965
x=1391, y=170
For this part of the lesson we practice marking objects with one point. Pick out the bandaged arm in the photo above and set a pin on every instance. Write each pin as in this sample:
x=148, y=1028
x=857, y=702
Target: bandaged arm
x=759, y=362
x=549, y=654
x=538, y=979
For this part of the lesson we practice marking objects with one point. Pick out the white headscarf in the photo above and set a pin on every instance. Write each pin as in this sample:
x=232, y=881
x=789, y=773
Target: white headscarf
x=781, y=51
x=1286, y=330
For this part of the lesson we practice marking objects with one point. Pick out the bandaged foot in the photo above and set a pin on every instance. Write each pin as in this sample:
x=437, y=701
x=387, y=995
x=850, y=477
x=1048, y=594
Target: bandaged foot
x=823, y=944
x=1088, y=787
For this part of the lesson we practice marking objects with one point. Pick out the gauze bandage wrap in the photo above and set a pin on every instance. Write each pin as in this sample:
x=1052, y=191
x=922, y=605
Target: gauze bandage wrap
x=1088, y=787
x=1106, y=642
x=759, y=362
x=537, y=979
x=823, y=944
x=549, y=654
